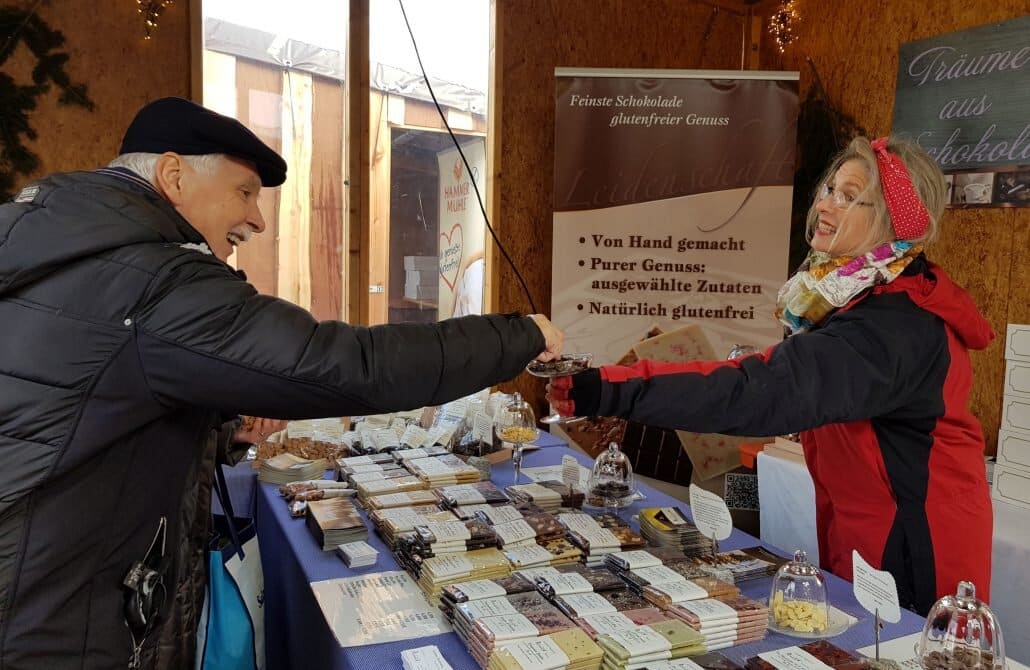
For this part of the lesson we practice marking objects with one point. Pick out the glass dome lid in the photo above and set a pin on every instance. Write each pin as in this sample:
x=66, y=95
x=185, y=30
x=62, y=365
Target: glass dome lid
x=961, y=632
x=798, y=602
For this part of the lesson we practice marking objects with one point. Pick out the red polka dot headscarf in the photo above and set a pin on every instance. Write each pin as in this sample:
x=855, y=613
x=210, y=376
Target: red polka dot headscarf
x=909, y=215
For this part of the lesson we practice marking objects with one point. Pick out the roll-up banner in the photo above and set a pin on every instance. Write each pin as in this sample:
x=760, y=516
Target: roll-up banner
x=672, y=197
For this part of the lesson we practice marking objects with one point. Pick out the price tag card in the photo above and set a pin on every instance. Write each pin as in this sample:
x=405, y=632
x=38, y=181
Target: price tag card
x=875, y=589
x=569, y=471
x=711, y=516
x=482, y=428
x=424, y=658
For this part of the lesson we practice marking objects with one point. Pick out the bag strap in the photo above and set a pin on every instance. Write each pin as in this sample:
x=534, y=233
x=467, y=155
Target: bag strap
x=222, y=491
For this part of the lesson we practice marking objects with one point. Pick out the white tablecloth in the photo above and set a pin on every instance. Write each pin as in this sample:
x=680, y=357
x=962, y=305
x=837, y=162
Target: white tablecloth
x=787, y=508
x=787, y=505
x=1010, y=578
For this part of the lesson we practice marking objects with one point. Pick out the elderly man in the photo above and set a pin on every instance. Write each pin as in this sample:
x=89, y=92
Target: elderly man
x=126, y=339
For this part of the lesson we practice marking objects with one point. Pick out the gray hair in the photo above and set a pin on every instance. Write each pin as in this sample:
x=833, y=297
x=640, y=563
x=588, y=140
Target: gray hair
x=145, y=164
x=927, y=179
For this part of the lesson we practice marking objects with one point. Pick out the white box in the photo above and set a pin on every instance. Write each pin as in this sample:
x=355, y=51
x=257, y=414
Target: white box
x=1015, y=414
x=427, y=263
x=1014, y=450
x=1011, y=486
x=1017, y=342
x=422, y=277
x=1017, y=379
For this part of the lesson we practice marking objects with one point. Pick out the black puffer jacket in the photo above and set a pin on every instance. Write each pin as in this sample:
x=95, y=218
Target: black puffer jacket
x=120, y=346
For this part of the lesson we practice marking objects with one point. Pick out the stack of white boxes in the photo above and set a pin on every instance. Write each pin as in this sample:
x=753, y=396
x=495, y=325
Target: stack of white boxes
x=422, y=278
x=1012, y=472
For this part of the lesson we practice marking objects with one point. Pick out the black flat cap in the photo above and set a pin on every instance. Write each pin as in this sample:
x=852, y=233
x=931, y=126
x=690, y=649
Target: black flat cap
x=175, y=124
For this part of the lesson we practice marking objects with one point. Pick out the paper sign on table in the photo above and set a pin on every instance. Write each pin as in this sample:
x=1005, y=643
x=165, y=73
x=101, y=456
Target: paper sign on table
x=382, y=607
x=424, y=658
x=875, y=589
x=711, y=516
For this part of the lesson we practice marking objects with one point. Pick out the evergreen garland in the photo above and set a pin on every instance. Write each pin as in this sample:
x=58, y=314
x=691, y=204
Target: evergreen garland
x=17, y=102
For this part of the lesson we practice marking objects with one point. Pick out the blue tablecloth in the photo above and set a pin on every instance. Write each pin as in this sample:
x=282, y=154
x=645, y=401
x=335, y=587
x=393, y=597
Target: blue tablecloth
x=297, y=635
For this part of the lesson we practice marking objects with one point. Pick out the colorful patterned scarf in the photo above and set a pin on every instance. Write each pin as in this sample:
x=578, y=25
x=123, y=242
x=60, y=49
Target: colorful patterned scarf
x=824, y=284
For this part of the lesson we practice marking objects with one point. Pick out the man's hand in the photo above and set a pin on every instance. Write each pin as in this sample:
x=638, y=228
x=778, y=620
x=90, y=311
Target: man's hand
x=258, y=431
x=553, y=338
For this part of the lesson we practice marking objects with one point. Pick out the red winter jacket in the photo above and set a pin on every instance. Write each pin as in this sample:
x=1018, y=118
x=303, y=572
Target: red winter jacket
x=881, y=391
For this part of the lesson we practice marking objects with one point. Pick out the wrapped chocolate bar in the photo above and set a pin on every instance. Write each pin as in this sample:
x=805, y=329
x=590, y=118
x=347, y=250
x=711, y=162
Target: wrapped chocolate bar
x=396, y=522
x=471, y=494
x=578, y=605
x=644, y=557
x=495, y=514
x=546, y=526
x=625, y=600
x=562, y=551
x=449, y=537
x=601, y=579
x=480, y=589
x=724, y=623
x=568, y=649
x=668, y=594
x=438, y=571
x=512, y=534
x=549, y=500
x=810, y=655
x=405, y=499
x=671, y=527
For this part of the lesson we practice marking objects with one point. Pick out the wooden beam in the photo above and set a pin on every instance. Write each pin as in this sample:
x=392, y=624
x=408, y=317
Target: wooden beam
x=491, y=294
x=378, y=250
x=294, y=276
x=196, y=21
x=358, y=170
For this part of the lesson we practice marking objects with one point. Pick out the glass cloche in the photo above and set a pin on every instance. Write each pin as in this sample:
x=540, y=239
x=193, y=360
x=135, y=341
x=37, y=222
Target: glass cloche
x=798, y=603
x=611, y=480
x=961, y=632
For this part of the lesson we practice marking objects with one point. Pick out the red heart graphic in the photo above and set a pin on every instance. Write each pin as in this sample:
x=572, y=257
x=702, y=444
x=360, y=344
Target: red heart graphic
x=452, y=259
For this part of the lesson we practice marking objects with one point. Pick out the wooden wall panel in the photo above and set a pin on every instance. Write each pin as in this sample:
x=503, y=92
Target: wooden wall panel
x=122, y=71
x=535, y=37
x=258, y=86
x=854, y=49
x=326, y=240
x=856, y=56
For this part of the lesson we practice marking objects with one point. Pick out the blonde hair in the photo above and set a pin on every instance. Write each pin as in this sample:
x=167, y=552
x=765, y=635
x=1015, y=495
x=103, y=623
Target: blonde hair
x=927, y=179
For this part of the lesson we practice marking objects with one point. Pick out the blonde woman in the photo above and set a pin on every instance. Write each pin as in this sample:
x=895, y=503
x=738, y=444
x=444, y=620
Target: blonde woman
x=875, y=372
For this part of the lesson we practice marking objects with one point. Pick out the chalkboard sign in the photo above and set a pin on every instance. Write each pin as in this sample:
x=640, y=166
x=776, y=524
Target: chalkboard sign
x=965, y=97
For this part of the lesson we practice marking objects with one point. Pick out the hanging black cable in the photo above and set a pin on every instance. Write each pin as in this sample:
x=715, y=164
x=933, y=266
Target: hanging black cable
x=468, y=168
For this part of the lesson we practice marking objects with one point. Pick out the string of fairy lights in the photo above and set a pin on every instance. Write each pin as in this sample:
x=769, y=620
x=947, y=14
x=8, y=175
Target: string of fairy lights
x=783, y=23
x=150, y=10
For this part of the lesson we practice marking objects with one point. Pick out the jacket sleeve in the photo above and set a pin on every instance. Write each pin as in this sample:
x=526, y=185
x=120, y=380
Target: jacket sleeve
x=206, y=338
x=866, y=362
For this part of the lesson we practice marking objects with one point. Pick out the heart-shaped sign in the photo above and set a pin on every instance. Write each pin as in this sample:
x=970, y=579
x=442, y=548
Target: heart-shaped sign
x=450, y=255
